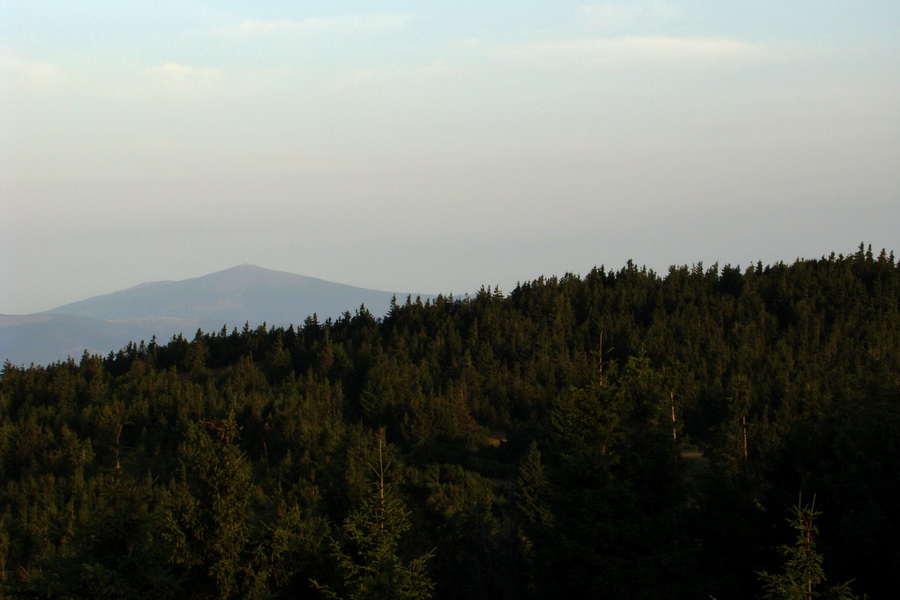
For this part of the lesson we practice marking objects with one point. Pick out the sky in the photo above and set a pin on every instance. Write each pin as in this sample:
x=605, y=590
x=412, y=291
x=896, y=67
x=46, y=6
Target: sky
x=438, y=147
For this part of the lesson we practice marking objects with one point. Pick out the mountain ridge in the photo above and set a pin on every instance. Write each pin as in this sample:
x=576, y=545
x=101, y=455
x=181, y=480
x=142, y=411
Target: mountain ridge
x=230, y=297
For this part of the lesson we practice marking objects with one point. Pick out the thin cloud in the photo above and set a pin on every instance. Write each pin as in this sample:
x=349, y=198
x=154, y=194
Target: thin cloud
x=180, y=78
x=388, y=75
x=29, y=76
x=470, y=43
x=626, y=50
x=342, y=25
x=618, y=13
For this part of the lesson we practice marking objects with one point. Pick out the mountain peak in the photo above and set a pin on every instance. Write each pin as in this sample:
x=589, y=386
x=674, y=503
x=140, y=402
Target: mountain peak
x=240, y=276
x=245, y=267
x=234, y=296
x=240, y=294
x=248, y=268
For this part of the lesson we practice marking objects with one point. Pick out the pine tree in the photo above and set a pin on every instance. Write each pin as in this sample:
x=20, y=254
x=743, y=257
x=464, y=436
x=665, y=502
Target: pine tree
x=368, y=557
x=537, y=520
x=803, y=572
x=209, y=516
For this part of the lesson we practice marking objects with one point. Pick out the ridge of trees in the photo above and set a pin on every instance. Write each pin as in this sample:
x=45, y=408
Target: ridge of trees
x=620, y=434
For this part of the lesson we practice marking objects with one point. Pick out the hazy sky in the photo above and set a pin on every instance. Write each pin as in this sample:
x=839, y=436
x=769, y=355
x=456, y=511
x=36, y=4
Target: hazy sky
x=437, y=147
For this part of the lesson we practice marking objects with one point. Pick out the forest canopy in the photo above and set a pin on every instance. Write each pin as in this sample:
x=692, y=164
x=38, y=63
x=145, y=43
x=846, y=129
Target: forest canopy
x=624, y=434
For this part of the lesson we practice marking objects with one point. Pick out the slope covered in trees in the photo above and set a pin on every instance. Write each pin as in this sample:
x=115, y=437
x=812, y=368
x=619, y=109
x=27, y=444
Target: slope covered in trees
x=622, y=434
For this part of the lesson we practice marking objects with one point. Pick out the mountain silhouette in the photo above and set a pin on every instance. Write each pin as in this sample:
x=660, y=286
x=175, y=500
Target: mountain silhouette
x=243, y=294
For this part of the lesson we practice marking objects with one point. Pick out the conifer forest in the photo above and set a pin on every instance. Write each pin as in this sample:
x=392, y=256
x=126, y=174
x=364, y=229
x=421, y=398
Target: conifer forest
x=710, y=432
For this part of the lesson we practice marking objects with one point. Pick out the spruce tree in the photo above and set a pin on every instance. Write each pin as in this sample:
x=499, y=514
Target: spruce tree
x=368, y=557
x=803, y=575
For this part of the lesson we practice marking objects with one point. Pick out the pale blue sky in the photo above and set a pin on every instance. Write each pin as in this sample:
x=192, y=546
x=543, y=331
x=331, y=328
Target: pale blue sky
x=427, y=147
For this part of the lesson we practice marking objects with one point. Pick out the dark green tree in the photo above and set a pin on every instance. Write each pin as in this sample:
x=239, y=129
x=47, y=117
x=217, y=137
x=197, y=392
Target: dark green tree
x=210, y=519
x=803, y=577
x=369, y=558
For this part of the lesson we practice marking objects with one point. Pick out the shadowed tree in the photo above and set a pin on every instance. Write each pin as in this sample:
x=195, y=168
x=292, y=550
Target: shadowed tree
x=369, y=565
x=803, y=575
x=210, y=519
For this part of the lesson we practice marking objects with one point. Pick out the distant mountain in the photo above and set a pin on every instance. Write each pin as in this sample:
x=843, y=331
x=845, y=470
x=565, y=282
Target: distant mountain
x=242, y=294
x=49, y=338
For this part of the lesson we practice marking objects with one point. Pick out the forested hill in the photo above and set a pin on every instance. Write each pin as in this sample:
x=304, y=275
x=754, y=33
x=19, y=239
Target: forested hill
x=619, y=435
